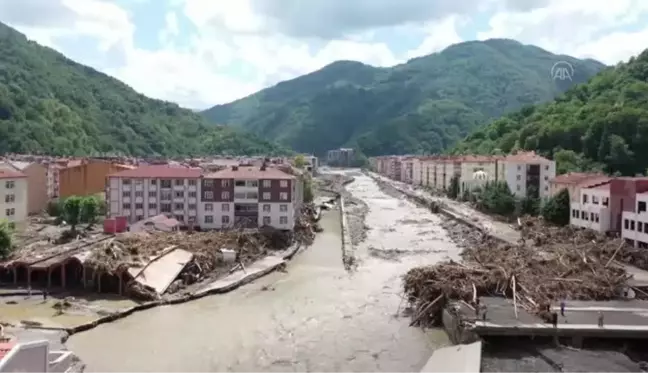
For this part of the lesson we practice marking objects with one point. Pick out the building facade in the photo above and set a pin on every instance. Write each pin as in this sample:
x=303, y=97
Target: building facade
x=342, y=157
x=86, y=177
x=527, y=173
x=235, y=197
x=36, y=173
x=13, y=197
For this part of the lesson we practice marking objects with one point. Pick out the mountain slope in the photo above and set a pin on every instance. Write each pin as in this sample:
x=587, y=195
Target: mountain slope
x=50, y=104
x=424, y=105
x=600, y=124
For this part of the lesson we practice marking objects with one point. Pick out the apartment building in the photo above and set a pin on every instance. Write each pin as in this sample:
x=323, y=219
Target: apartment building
x=52, y=175
x=417, y=171
x=13, y=196
x=250, y=197
x=592, y=209
x=526, y=172
x=36, y=173
x=342, y=157
x=86, y=176
x=477, y=170
x=147, y=191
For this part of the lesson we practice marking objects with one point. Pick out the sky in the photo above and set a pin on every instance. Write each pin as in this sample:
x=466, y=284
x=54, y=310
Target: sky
x=199, y=53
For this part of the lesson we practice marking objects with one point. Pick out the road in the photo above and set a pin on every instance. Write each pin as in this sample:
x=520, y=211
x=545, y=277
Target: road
x=315, y=317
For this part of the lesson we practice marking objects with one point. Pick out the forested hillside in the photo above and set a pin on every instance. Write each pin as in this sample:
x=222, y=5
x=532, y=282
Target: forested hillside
x=601, y=124
x=423, y=106
x=50, y=104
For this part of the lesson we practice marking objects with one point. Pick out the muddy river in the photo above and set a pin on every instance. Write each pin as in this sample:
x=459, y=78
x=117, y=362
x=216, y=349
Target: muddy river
x=315, y=317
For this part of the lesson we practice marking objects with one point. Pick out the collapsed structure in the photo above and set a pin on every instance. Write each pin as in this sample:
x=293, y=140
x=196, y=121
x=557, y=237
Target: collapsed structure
x=548, y=265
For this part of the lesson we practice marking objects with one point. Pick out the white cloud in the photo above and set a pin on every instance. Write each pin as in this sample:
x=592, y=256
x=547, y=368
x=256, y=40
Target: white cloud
x=241, y=46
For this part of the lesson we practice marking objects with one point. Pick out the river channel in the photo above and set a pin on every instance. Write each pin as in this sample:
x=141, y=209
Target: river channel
x=315, y=317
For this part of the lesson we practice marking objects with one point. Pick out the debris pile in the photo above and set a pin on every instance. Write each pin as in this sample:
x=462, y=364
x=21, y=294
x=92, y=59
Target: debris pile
x=549, y=263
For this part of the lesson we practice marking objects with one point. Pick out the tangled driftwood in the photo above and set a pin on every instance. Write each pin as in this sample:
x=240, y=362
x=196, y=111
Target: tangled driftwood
x=550, y=263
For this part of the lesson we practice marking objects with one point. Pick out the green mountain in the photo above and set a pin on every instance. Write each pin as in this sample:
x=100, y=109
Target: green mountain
x=422, y=106
x=602, y=124
x=50, y=104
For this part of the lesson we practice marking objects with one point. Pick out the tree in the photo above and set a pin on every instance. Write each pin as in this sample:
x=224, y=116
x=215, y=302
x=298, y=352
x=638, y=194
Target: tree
x=453, y=190
x=308, y=188
x=557, y=208
x=54, y=208
x=89, y=210
x=5, y=239
x=299, y=161
x=496, y=198
x=72, y=211
x=530, y=204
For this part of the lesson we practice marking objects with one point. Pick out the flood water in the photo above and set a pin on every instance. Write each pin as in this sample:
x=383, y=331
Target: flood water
x=315, y=317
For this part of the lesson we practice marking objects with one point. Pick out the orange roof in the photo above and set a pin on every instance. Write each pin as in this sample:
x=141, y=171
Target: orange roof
x=575, y=177
x=250, y=173
x=11, y=174
x=160, y=171
x=525, y=157
x=594, y=181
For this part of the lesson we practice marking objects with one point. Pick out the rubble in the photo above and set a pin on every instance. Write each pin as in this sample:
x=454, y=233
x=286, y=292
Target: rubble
x=548, y=264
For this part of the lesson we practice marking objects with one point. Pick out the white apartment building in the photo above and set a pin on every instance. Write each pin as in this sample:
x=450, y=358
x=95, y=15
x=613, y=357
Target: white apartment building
x=417, y=171
x=635, y=223
x=524, y=170
x=476, y=171
x=592, y=210
x=147, y=191
x=13, y=197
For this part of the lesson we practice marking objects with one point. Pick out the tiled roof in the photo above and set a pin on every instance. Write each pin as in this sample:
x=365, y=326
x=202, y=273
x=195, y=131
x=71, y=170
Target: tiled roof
x=160, y=171
x=594, y=181
x=250, y=173
x=525, y=157
x=575, y=177
x=11, y=174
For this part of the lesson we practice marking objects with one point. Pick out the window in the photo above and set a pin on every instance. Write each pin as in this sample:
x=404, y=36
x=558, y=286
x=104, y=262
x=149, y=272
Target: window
x=283, y=196
x=126, y=182
x=632, y=225
x=584, y=198
x=209, y=195
x=591, y=216
x=178, y=182
x=179, y=218
x=266, y=208
x=165, y=196
x=283, y=208
x=519, y=177
x=266, y=195
x=178, y=206
x=209, y=207
x=139, y=194
x=165, y=183
x=225, y=207
x=139, y=182
x=126, y=194
x=179, y=194
x=639, y=226
x=583, y=215
x=519, y=187
x=519, y=167
x=225, y=183
x=208, y=182
x=126, y=206
x=283, y=220
x=546, y=178
x=239, y=183
x=152, y=194
x=267, y=183
x=266, y=220
x=283, y=183
x=625, y=224
x=252, y=195
x=596, y=217
x=595, y=200
x=153, y=182
x=209, y=219
x=192, y=206
x=253, y=183
x=139, y=217
x=225, y=219
x=225, y=195
x=546, y=188
x=192, y=194
x=152, y=206
x=547, y=167
x=641, y=206
x=239, y=195
x=139, y=205
x=605, y=201
x=165, y=207
x=574, y=213
x=10, y=198
x=192, y=182
x=10, y=212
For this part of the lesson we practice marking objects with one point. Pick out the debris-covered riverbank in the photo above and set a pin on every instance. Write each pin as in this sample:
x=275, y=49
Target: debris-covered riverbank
x=356, y=209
